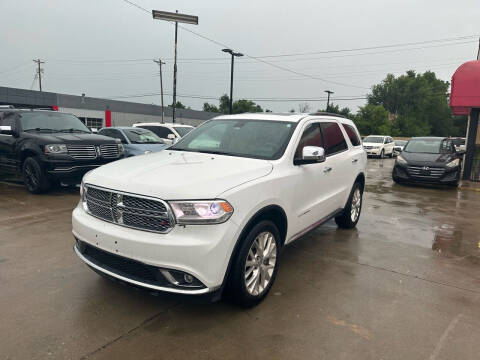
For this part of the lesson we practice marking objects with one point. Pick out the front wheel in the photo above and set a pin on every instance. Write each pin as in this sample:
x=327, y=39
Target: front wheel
x=34, y=176
x=351, y=214
x=382, y=154
x=255, y=267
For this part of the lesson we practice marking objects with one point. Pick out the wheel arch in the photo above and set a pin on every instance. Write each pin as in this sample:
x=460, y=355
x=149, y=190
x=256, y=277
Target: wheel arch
x=274, y=213
x=361, y=179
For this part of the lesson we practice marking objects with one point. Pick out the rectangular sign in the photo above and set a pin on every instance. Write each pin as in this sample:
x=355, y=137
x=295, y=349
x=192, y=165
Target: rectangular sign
x=169, y=16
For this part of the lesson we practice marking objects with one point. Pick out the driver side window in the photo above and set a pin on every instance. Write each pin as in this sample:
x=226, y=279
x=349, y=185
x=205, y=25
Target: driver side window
x=312, y=136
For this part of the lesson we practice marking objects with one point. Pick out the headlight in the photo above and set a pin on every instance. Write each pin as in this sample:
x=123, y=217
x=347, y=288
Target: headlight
x=401, y=160
x=83, y=197
x=56, y=149
x=453, y=163
x=121, y=149
x=201, y=212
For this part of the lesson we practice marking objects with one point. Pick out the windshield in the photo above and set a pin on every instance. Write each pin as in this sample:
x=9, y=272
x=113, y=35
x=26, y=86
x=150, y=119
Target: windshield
x=259, y=139
x=183, y=130
x=142, y=136
x=400, y=142
x=433, y=146
x=374, y=139
x=52, y=122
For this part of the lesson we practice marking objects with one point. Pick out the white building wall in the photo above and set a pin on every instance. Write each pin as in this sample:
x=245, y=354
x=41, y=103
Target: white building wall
x=84, y=113
x=128, y=119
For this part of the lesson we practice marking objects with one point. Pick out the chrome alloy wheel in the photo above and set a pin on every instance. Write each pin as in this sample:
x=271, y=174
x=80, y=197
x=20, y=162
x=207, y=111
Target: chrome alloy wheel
x=260, y=264
x=356, y=205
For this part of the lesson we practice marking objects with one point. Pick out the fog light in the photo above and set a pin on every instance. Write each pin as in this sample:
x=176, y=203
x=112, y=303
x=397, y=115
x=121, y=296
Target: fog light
x=188, y=278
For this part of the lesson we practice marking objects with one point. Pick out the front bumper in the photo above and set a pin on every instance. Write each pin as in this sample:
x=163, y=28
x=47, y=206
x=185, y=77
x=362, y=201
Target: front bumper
x=373, y=152
x=202, y=251
x=448, y=176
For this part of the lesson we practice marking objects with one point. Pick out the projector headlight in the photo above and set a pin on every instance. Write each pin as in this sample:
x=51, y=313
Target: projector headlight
x=56, y=149
x=401, y=160
x=201, y=212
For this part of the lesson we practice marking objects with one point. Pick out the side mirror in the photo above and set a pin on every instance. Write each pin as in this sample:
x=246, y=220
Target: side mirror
x=171, y=136
x=311, y=155
x=6, y=130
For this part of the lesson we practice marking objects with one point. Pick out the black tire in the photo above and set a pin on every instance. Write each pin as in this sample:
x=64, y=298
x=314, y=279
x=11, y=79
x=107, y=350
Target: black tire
x=390, y=155
x=34, y=176
x=395, y=179
x=237, y=287
x=382, y=154
x=345, y=220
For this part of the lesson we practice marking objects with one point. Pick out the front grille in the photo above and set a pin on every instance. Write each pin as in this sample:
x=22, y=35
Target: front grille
x=128, y=210
x=426, y=172
x=82, y=152
x=109, y=151
x=368, y=147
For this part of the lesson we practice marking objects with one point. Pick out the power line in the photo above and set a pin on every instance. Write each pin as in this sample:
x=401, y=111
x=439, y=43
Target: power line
x=251, y=57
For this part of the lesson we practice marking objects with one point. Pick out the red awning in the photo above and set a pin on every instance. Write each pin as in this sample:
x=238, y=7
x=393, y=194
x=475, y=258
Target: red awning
x=466, y=88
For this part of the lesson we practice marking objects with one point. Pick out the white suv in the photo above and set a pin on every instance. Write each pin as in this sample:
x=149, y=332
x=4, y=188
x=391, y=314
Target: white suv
x=379, y=145
x=214, y=210
x=169, y=133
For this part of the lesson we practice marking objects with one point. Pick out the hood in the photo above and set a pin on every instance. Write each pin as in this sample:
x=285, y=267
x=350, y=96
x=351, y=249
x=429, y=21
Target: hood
x=139, y=149
x=67, y=138
x=177, y=175
x=427, y=159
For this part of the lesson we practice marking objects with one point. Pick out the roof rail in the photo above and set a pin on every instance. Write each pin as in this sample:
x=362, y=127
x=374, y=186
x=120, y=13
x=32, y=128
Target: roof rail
x=7, y=107
x=324, y=113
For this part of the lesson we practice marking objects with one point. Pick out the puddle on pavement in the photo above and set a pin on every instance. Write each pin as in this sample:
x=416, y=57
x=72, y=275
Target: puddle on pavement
x=448, y=241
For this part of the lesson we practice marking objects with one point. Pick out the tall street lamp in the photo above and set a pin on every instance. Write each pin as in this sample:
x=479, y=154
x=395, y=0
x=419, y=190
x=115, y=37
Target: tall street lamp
x=176, y=17
x=231, y=52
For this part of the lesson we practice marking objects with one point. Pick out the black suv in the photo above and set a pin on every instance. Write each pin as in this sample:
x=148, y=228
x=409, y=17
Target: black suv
x=48, y=147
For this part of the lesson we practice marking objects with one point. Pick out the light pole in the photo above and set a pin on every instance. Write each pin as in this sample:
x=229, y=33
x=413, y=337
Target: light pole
x=176, y=17
x=233, y=54
x=328, y=98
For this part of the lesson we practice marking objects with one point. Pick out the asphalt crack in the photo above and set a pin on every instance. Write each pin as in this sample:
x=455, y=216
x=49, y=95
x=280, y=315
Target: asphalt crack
x=130, y=331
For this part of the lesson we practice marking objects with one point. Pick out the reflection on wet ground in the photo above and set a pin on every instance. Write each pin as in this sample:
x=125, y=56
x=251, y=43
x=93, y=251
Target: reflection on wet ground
x=445, y=219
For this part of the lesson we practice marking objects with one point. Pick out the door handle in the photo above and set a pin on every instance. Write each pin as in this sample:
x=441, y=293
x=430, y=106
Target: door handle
x=327, y=169
x=354, y=160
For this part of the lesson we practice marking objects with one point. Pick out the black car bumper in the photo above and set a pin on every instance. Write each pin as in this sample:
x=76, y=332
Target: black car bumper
x=433, y=175
x=69, y=171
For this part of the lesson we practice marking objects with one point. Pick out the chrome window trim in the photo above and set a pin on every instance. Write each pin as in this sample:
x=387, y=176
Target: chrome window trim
x=169, y=212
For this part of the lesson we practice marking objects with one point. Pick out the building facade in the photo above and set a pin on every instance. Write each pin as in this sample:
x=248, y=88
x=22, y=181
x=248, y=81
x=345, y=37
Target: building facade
x=98, y=113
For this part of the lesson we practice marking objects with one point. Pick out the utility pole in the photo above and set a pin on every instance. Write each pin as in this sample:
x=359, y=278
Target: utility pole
x=160, y=63
x=39, y=71
x=175, y=74
x=328, y=98
x=233, y=54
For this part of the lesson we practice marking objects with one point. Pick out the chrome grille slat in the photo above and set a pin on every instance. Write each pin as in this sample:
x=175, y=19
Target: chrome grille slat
x=82, y=152
x=109, y=150
x=117, y=207
x=434, y=172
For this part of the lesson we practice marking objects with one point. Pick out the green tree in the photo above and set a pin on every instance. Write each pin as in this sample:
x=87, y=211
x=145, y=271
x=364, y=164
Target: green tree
x=418, y=104
x=238, y=107
x=335, y=109
x=210, y=107
x=372, y=119
x=179, y=105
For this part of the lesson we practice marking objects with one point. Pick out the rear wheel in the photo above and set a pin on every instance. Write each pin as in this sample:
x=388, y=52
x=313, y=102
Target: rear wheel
x=382, y=154
x=390, y=155
x=351, y=214
x=255, y=267
x=34, y=176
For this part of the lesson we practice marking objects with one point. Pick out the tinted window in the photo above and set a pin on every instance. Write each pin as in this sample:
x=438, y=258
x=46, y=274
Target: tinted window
x=8, y=120
x=142, y=136
x=373, y=139
x=334, y=139
x=159, y=130
x=182, y=130
x=352, y=134
x=117, y=135
x=257, y=139
x=312, y=136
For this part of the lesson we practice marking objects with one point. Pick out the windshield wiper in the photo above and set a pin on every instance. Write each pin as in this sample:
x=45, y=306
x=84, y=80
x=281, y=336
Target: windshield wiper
x=74, y=130
x=41, y=129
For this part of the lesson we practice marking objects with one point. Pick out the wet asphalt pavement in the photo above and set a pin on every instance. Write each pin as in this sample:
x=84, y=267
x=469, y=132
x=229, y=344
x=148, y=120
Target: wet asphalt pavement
x=404, y=285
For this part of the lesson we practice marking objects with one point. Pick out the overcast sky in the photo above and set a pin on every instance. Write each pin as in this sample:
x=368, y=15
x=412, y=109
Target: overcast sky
x=86, y=44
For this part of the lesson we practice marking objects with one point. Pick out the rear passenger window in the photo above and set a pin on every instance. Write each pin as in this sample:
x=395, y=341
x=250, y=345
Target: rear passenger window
x=334, y=140
x=310, y=137
x=352, y=134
